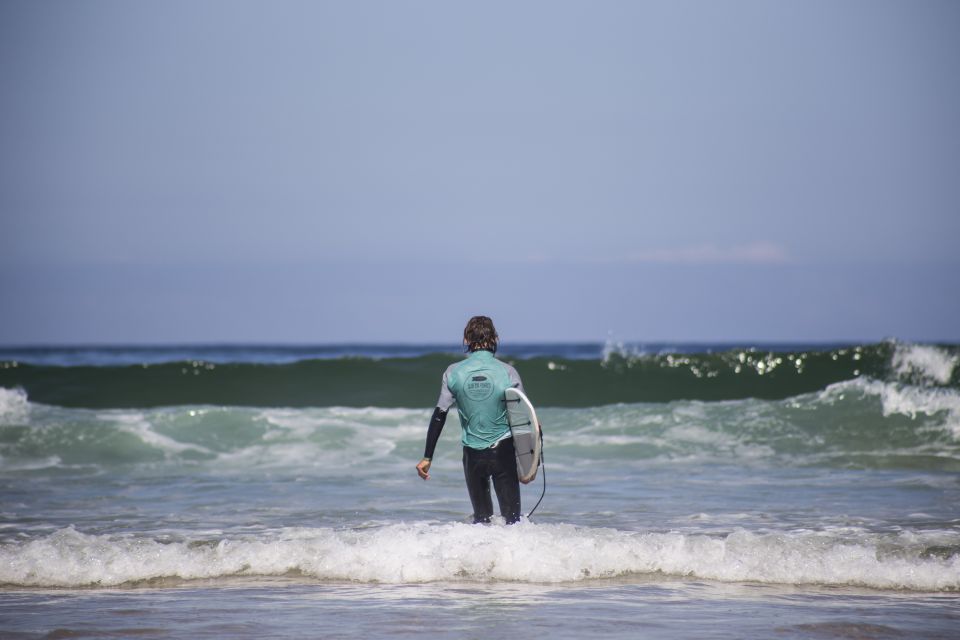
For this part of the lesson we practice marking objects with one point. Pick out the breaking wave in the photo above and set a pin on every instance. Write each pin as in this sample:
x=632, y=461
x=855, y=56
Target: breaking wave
x=861, y=423
x=545, y=553
x=621, y=375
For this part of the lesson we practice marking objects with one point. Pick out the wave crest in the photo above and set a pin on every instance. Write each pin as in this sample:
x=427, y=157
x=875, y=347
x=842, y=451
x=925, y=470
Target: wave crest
x=923, y=363
x=622, y=375
x=14, y=406
x=415, y=553
x=860, y=422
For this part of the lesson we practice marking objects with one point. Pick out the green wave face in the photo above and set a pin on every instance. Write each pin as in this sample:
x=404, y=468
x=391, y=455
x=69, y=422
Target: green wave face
x=550, y=382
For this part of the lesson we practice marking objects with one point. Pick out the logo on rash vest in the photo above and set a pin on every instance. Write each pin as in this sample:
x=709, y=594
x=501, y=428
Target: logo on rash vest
x=478, y=387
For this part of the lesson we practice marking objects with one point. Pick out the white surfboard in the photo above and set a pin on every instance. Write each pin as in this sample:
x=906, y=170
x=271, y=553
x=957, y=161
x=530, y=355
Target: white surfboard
x=526, y=433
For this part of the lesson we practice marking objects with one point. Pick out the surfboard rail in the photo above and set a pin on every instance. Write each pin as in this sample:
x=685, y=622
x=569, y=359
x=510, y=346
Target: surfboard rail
x=525, y=428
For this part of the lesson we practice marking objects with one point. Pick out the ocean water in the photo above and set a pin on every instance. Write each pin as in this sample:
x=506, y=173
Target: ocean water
x=722, y=491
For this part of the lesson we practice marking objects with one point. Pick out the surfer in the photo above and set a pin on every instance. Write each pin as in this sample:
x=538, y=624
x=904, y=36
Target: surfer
x=476, y=386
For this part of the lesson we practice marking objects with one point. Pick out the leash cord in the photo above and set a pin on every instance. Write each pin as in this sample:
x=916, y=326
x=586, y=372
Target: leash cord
x=543, y=472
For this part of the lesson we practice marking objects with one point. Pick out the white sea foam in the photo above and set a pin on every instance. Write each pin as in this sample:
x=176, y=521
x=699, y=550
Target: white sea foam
x=30, y=464
x=369, y=433
x=617, y=348
x=902, y=399
x=137, y=425
x=14, y=406
x=413, y=553
x=318, y=437
x=924, y=362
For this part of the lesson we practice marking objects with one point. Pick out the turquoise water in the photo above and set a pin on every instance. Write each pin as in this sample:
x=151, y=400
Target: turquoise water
x=823, y=513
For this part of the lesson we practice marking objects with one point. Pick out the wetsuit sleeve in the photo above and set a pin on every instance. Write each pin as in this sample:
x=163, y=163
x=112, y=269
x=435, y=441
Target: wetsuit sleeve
x=446, y=399
x=444, y=402
x=433, y=432
x=515, y=378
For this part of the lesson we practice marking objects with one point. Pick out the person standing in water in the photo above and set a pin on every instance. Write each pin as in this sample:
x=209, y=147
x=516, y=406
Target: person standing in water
x=476, y=385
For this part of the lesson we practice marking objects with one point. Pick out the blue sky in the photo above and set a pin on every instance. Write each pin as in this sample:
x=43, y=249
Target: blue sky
x=380, y=171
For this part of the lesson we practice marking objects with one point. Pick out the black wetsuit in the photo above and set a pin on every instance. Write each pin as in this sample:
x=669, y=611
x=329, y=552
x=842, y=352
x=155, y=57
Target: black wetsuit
x=499, y=464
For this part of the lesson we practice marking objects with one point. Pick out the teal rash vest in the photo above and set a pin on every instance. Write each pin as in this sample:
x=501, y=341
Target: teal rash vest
x=476, y=386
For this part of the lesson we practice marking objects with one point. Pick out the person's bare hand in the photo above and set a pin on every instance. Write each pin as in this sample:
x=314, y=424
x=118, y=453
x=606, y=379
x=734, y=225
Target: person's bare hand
x=423, y=469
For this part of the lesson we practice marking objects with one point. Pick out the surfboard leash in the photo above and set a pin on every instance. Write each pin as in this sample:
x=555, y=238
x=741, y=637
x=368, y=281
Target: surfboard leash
x=543, y=473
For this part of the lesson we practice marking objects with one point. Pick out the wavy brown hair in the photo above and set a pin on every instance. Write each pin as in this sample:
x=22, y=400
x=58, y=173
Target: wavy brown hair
x=480, y=334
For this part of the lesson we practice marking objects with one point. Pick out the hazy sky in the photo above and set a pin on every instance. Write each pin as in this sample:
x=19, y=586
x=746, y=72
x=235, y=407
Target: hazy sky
x=380, y=171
